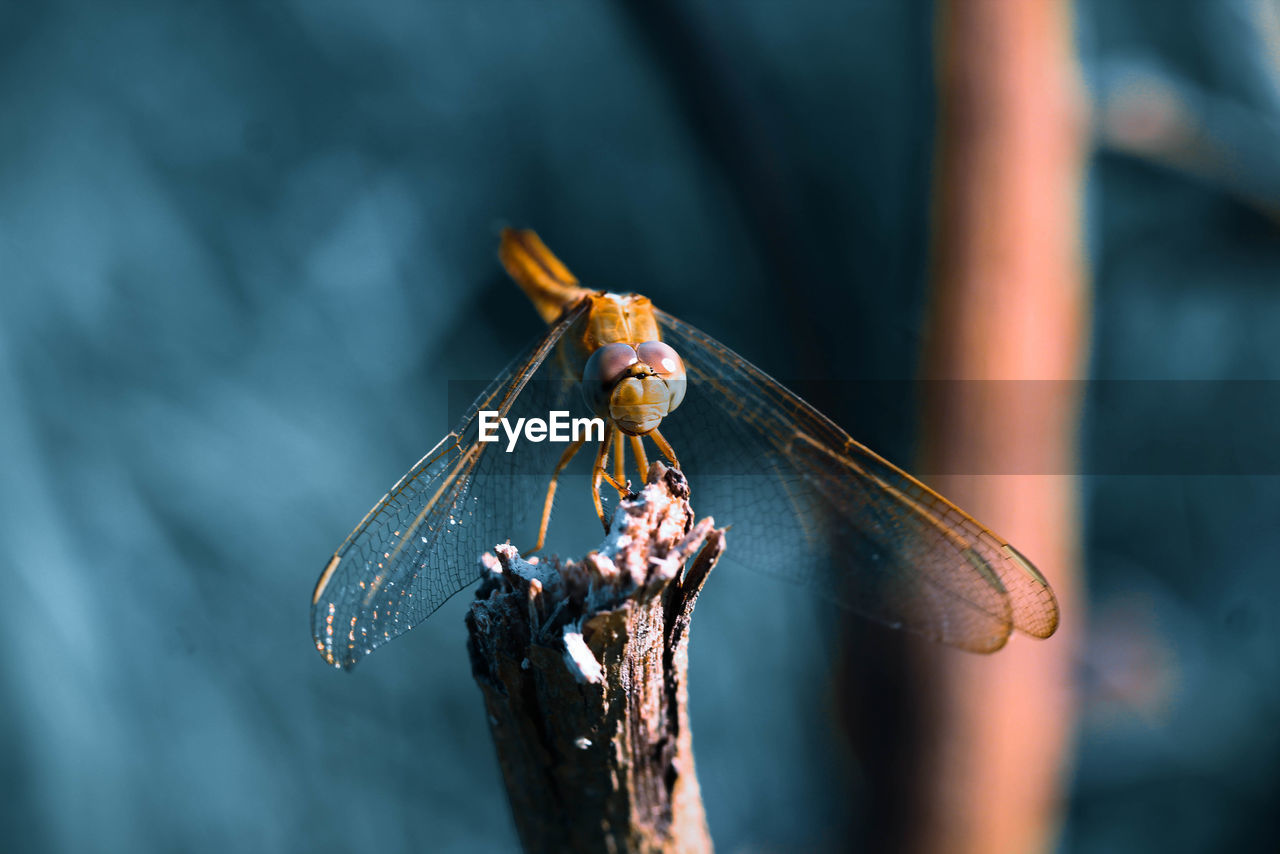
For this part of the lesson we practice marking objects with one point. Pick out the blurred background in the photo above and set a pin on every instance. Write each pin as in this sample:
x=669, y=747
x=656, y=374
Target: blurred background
x=244, y=248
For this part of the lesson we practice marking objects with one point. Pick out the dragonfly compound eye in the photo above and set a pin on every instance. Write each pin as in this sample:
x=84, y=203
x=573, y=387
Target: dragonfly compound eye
x=667, y=364
x=604, y=369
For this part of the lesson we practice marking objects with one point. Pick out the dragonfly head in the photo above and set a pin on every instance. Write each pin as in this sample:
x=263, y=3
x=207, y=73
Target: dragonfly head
x=634, y=387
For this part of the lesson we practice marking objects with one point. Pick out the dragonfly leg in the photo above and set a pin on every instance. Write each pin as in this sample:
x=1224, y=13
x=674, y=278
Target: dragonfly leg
x=623, y=492
x=568, y=455
x=619, y=463
x=637, y=448
x=665, y=447
x=598, y=472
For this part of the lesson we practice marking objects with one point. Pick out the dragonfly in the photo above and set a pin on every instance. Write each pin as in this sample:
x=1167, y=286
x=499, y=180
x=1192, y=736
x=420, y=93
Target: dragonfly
x=806, y=501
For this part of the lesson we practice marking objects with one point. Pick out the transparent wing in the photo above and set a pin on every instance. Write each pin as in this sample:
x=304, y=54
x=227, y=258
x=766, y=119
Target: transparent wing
x=420, y=544
x=810, y=504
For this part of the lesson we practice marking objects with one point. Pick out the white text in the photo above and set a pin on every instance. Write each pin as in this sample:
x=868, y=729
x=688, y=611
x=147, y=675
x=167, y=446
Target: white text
x=559, y=428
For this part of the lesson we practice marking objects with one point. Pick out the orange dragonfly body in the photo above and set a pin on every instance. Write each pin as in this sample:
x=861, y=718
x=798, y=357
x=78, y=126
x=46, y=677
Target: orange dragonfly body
x=807, y=501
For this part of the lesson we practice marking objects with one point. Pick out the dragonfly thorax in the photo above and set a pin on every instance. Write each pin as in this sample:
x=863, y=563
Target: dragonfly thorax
x=634, y=387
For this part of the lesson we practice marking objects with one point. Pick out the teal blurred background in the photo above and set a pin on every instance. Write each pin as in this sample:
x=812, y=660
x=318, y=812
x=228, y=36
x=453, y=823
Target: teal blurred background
x=244, y=248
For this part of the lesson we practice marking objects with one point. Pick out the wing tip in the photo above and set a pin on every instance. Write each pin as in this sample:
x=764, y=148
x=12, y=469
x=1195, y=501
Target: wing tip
x=1000, y=643
x=323, y=635
x=323, y=581
x=1048, y=617
x=344, y=663
x=1025, y=565
x=992, y=643
x=1050, y=624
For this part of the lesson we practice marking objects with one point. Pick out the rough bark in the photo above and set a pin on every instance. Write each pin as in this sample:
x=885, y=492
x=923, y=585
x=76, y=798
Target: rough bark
x=583, y=667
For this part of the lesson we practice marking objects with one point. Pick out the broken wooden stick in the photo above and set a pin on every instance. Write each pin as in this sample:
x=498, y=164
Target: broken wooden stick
x=583, y=665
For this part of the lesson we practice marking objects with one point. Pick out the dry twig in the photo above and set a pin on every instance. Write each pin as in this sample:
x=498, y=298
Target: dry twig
x=583, y=666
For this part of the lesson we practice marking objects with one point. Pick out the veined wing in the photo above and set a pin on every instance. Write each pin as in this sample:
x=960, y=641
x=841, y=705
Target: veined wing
x=809, y=503
x=420, y=544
